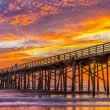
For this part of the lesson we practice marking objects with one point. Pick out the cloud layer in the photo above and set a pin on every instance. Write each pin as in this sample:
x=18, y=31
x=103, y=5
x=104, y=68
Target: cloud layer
x=34, y=29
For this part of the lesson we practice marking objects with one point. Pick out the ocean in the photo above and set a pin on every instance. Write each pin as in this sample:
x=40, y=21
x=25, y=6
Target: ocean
x=19, y=100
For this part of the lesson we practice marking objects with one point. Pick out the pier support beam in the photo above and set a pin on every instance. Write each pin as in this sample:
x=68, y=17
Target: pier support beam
x=73, y=76
x=107, y=75
x=93, y=78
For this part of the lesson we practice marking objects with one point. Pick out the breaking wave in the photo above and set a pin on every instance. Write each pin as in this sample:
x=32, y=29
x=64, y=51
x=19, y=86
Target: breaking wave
x=54, y=99
x=55, y=102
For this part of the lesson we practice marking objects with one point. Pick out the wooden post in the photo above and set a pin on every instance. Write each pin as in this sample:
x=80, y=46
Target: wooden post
x=15, y=79
x=28, y=83
x=48, y=79
x=24, y=80
x=65, y=78
x=0, y=82
x=79, y=77
x=82, y=77
x=94, y=62
x=11, y=81
x=42, y=79
x=107, y=77
x=39, y=81
x=3, y=82
x=89, y=75
x=38, y=87
x=45, y=80
x=21, y=86
x=55, y=80
x=61, y=80
x=103, y=76
x=97, y=77
x=73, y=75
x=59, y=77
x=32, y=80
x=66, y=84
x=19, y=80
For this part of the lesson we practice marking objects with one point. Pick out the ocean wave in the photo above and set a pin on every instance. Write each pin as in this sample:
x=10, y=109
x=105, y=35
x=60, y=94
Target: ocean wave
x=54, y=99
x=19, y=104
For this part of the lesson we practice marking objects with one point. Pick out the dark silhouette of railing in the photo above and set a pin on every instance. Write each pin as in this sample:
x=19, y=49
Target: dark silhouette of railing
x=78, y=54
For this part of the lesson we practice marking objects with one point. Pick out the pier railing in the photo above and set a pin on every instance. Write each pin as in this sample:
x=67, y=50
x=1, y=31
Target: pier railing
x=78, y=54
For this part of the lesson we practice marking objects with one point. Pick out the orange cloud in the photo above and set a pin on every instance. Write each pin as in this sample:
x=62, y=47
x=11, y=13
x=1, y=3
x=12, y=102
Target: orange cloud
x=71, y=31
x=37, y=10
x=10, y=58
x=10, y=37
x=2, y=20
x=60, y=37
x=23, y=20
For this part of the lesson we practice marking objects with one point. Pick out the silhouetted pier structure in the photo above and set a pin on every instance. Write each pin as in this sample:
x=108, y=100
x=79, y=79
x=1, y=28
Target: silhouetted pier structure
x=88, y=66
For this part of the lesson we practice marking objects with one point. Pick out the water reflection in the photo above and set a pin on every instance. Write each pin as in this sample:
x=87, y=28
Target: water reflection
x=8, y=94
x=50, y=105
x=56, y=108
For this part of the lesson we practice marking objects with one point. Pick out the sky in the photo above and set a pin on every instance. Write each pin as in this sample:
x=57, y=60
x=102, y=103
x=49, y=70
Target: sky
x=35, y=29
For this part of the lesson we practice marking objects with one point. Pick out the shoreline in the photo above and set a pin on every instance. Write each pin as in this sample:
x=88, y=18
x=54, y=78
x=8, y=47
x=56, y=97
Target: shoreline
x=53, y=92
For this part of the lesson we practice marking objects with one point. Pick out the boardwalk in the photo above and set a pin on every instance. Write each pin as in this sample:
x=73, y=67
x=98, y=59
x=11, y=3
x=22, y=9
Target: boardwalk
x=88, y=66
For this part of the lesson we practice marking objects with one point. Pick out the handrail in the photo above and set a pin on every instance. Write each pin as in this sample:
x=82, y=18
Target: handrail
x=88, y=51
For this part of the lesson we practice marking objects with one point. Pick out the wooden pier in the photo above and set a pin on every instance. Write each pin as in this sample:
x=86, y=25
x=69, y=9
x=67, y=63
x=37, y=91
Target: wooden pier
x=88, y=66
